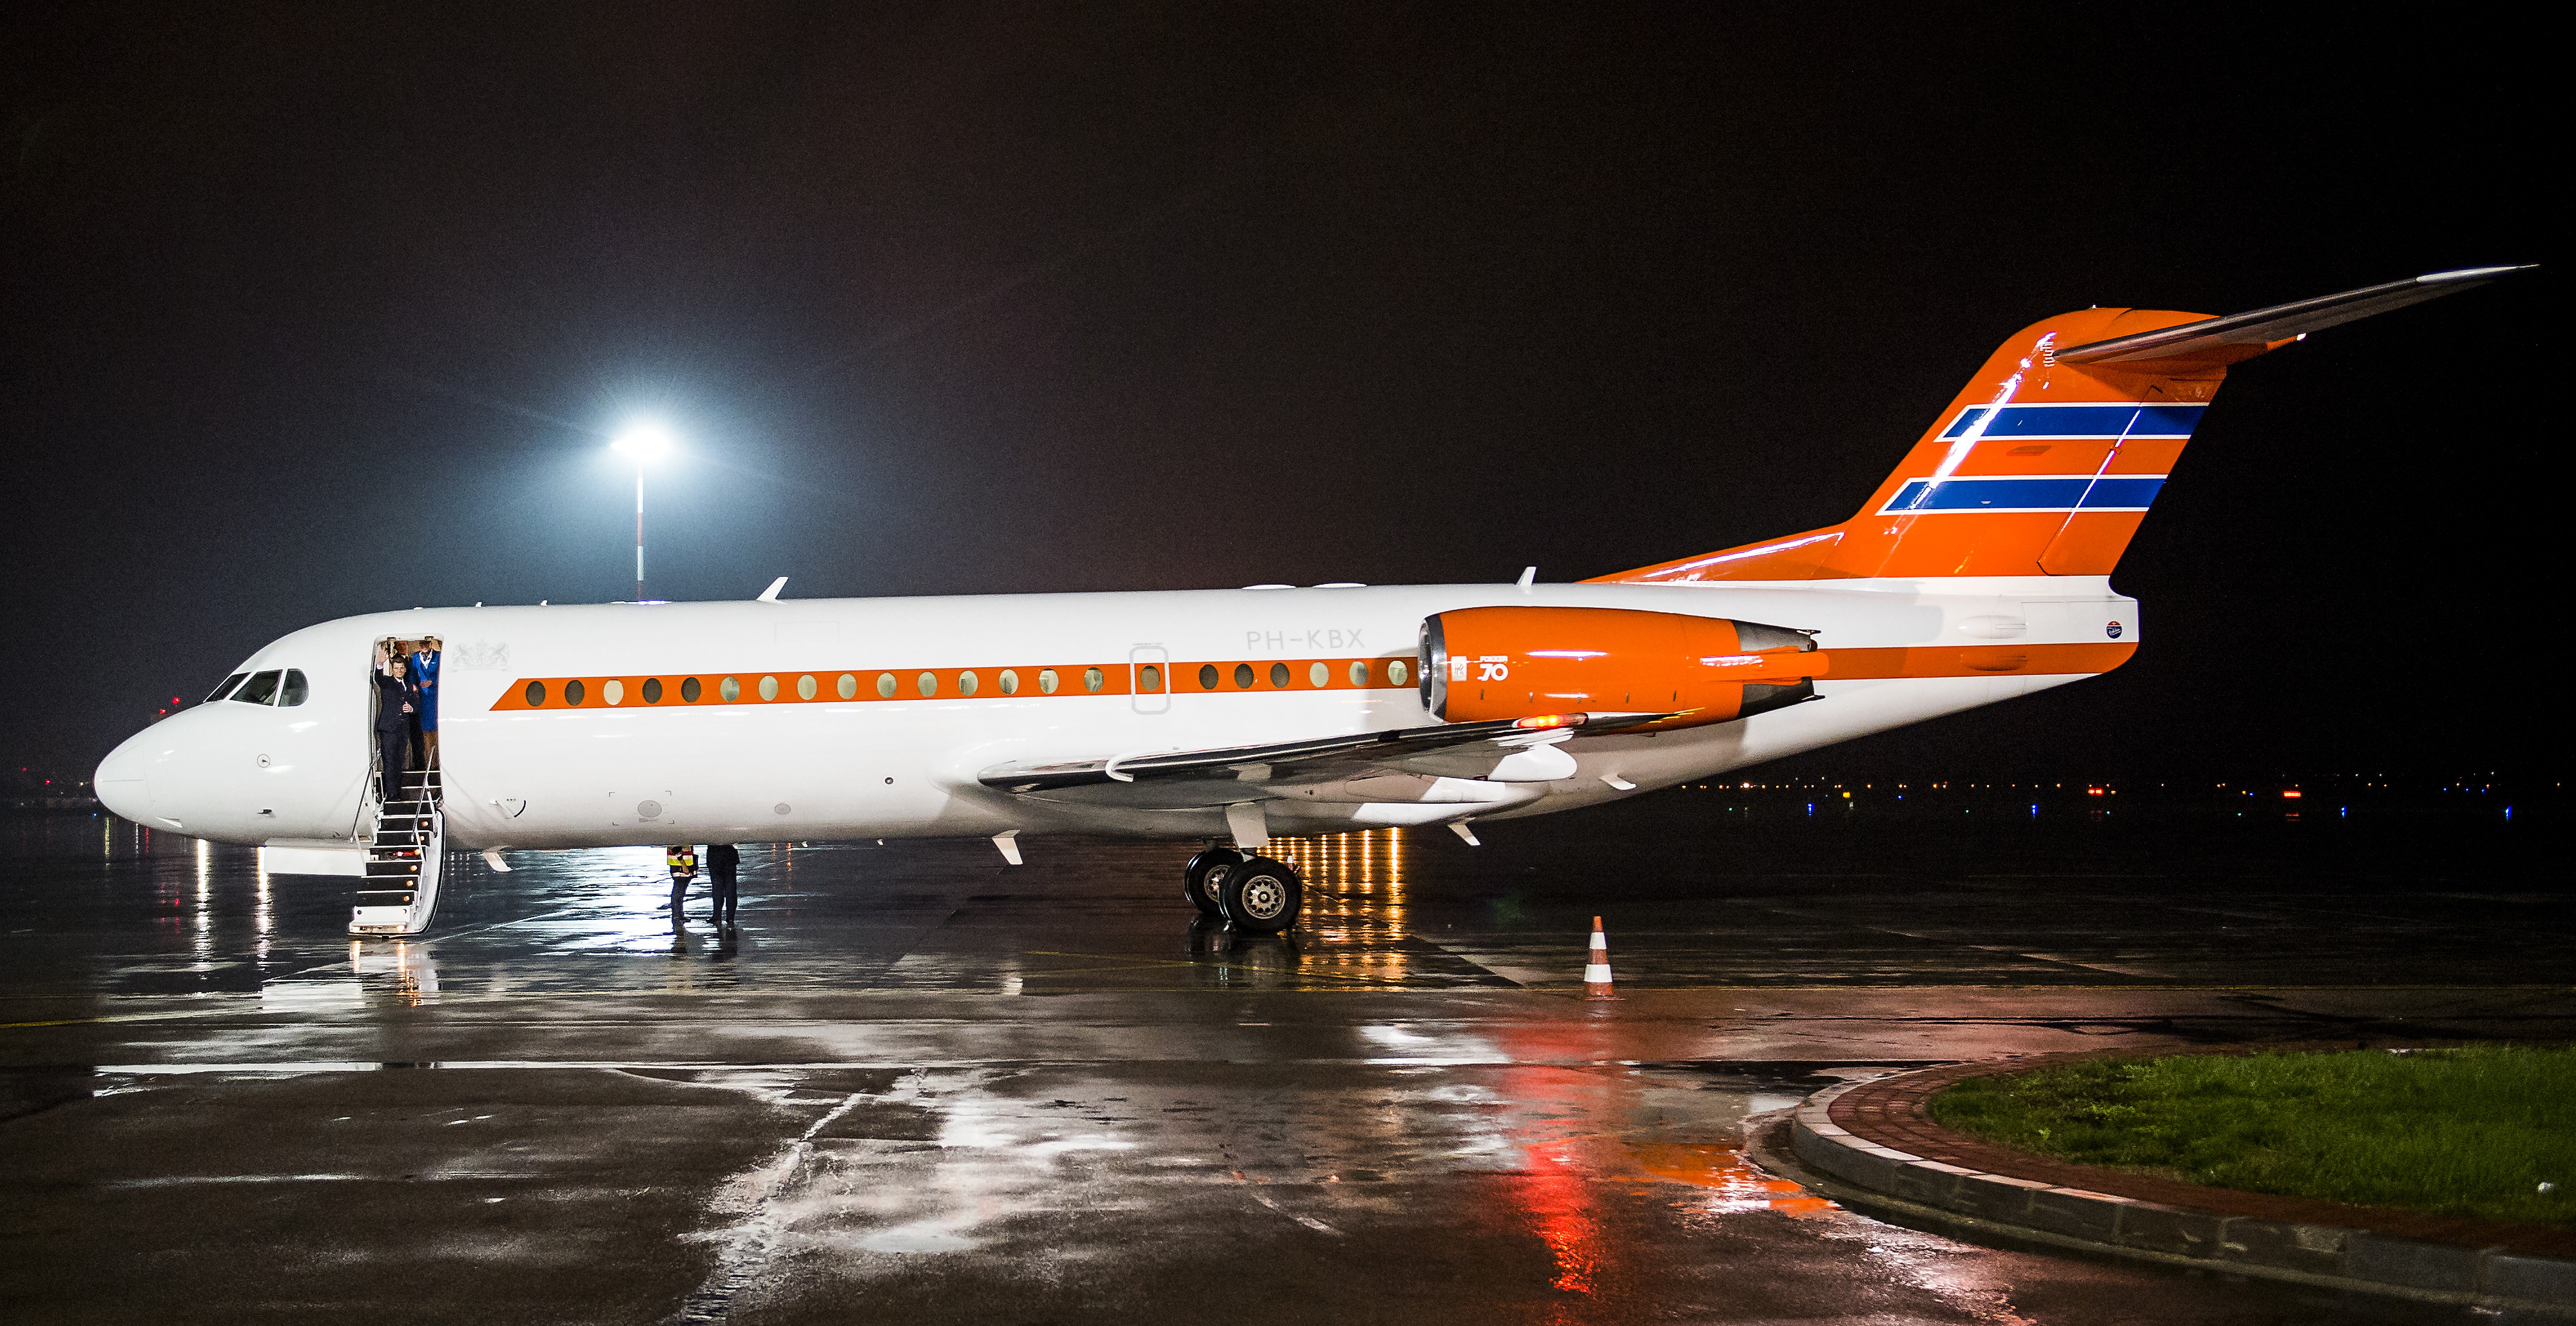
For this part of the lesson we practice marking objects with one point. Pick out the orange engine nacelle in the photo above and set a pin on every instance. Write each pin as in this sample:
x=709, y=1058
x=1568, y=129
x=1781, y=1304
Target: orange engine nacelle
x=1484, y=663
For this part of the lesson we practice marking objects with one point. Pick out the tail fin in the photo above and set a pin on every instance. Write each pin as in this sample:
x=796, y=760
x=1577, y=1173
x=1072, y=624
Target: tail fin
x=2048, y=460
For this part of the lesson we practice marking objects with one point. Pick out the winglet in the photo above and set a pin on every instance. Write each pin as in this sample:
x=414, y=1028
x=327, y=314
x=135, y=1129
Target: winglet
x=2243, y=335
x=770, y=595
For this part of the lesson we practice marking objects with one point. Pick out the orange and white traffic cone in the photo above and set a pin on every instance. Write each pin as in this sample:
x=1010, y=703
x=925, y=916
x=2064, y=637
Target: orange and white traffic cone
x=1596, y=972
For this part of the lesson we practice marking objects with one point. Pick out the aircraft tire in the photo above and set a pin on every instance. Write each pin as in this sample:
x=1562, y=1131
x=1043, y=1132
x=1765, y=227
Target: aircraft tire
x=1261, y=896
x=1200, y=877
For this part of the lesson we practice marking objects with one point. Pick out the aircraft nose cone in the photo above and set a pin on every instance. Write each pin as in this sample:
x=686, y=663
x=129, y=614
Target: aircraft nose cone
x=120, y=783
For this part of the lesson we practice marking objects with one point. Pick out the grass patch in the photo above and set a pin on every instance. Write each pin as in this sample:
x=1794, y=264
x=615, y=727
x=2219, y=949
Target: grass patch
x=2470, y=1132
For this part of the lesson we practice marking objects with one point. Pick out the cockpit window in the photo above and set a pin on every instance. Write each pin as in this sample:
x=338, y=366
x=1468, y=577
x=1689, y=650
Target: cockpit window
x=260, y=689
x=225, y=687
x=295, y=689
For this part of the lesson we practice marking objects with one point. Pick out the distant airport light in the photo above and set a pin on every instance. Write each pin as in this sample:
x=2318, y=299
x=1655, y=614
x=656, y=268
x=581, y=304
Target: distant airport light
x=644, y=440
x=2292, y=794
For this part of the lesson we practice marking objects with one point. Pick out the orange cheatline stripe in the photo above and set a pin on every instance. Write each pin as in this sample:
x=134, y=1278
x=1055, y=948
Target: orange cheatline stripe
x=1192, y=677
x=867, y=684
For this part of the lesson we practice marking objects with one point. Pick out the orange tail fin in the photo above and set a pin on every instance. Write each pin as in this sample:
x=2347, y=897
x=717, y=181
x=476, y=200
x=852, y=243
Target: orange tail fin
x=2048, y=460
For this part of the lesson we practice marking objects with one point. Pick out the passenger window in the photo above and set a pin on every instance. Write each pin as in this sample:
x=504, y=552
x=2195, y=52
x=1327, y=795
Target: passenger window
x=849, y=687
x=967, y=683
x=1278, y=674
x=1395, y=671
x=1207, y=676
x=1243, y=676
x=225, y=687
x=1046, y=681
x=885, y=685
x=1319, y=675
x=1010, y=682
x=927, y=683
x=652, y=690
x=612, y=692
x=535, y=694
x=769, y=688
x=690, y=690
x=1091, y=679
x=728, y=690
x=296, y=689
x=1149, y=679
x=805, y=687
x=260, y=689
x=573, y=692
x=1359, y=672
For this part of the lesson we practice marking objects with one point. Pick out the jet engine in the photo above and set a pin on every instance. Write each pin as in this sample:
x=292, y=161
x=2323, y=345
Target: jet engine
x=1512, y=662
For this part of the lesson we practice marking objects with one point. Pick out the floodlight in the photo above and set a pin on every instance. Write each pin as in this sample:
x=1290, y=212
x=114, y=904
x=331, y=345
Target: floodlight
x=644, y=441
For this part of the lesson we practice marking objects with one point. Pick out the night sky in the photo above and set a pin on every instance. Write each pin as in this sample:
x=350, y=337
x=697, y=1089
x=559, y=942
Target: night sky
x=317, y=311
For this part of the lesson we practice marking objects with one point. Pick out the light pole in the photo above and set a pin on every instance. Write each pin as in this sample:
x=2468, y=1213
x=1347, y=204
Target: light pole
x=641, y=441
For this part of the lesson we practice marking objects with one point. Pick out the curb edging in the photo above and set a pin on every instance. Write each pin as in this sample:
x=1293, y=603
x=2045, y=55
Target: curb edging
x=2315, y=1254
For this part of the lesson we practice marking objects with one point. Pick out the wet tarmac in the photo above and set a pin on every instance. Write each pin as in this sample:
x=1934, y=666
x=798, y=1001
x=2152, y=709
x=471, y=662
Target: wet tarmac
x=917, y=1085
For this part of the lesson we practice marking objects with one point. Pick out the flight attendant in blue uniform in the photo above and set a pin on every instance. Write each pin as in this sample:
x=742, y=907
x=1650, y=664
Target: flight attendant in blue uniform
x=422, y=672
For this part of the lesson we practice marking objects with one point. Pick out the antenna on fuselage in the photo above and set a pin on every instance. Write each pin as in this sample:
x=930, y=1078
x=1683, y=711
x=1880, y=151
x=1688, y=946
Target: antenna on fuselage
x=770, y=595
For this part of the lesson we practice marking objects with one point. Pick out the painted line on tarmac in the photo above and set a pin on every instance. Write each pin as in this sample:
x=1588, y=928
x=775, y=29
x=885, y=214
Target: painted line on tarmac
x=1568, y=991
x=1252, y=1186
x=1133, y=964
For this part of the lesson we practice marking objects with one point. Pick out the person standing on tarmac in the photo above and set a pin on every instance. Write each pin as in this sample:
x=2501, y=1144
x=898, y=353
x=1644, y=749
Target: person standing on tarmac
x=684, y=867
x=722, y=861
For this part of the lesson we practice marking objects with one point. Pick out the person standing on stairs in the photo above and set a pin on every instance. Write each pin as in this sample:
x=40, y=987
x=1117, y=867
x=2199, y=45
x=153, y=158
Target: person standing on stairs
x=393, y=729
x=684, y=867
x=723, y=860
x=422, y=673
x=411, y=704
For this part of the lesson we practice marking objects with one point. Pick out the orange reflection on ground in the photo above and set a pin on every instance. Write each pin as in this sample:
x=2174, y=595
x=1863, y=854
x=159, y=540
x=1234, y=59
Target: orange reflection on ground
x=1721, y=1166
x=1563, y=1222
x=1561, y=1161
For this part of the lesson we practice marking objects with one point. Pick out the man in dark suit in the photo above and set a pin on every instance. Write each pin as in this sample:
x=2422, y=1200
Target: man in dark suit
x=722, y=861
x=393, y=730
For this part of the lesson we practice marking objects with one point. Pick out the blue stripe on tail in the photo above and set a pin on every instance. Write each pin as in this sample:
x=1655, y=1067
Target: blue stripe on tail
x=2079, y=420
x=2109, y=492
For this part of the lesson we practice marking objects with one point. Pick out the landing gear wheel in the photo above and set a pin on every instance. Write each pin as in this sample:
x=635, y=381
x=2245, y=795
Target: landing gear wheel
x=1199, y=878
x=1261, y=896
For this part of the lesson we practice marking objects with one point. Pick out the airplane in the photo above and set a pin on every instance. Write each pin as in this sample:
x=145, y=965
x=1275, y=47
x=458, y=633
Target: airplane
x=1977, y=571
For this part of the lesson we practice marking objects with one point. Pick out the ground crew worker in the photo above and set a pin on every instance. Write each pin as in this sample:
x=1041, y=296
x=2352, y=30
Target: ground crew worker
x=684, y=867
x=722, y=861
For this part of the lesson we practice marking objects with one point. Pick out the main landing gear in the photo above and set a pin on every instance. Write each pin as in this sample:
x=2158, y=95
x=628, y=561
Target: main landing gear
x=1257, y=895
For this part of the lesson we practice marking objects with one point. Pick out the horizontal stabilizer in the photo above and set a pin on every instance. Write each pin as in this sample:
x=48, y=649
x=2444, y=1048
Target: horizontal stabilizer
x=2223, y=340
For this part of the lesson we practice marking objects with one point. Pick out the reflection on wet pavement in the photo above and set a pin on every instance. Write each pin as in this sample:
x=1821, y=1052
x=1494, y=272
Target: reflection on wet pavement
x=918, y=1084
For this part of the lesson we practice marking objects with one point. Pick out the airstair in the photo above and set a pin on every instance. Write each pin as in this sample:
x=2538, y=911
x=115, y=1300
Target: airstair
x=405, y=860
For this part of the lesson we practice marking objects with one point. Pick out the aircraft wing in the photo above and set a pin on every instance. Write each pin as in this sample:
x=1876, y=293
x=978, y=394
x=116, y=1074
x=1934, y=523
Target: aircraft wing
x=1245, y=773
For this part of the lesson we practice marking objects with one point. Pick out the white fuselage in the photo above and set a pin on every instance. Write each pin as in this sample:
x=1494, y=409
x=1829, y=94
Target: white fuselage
x=583, y=777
